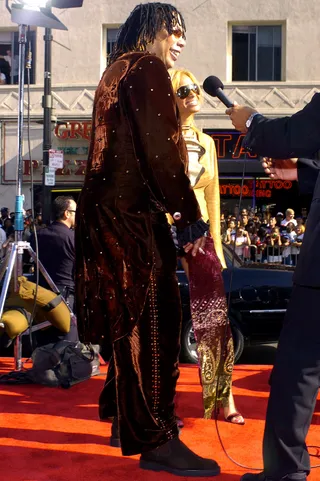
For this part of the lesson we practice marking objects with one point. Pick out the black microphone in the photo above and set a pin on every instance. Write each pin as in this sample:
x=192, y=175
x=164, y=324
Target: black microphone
x=214, y=87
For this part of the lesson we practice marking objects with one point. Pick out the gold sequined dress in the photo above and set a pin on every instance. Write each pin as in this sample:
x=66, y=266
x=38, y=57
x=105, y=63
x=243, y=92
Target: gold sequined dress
x=207, y=294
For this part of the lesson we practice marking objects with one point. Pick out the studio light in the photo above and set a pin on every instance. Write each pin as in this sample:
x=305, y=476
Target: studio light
x=34, y=13
x=34, y=3
x=38, y=12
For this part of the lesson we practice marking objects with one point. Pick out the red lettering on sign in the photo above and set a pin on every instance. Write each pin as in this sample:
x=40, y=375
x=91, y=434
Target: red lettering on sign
x=27, y=166
x=239, y=151
x=220, y=141
x=73, y=130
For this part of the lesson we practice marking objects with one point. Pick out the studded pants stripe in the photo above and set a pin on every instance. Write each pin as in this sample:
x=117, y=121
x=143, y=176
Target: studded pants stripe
x=142, y=378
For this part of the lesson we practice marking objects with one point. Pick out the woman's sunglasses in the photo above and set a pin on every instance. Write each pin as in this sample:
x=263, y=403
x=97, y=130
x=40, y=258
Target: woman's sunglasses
x=184, y=91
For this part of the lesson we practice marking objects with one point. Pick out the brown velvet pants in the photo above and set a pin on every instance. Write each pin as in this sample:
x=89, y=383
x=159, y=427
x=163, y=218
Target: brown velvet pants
x=143, y=372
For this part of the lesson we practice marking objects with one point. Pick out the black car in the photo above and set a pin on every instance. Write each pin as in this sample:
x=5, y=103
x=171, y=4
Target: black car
x=258, y=295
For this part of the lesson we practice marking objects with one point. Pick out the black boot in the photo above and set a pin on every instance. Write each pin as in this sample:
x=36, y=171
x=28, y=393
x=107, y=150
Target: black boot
x=264, y=477
x=115, y=437
x=176, y=458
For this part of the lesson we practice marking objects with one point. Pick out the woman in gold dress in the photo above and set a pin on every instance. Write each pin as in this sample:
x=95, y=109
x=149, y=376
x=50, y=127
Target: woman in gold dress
x=207, y=294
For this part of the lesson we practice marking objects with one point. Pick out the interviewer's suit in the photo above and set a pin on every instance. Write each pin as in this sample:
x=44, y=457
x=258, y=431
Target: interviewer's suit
x=295, y=378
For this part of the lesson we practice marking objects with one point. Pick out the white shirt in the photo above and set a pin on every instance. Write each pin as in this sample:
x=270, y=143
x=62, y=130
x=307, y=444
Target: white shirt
x=2, y=77
x=285, y=222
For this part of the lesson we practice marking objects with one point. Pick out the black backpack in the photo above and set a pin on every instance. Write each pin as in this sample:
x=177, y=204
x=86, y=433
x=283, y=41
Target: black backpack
x=62, y=364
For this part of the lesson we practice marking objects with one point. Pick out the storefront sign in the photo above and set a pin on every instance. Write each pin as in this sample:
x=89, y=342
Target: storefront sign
x=229, y=144
x=262, y=188
x=56, y=159
x=73, y=130
x=69, y=153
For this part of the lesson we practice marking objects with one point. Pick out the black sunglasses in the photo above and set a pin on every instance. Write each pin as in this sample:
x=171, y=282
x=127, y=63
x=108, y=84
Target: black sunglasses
x=184, y=91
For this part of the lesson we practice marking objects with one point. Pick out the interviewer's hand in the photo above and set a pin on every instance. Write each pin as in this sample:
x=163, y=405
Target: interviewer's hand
x=196, y=247
x=239, y=114
x=284, y=169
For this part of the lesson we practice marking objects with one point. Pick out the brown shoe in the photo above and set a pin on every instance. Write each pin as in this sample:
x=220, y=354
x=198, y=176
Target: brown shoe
x=176, y=458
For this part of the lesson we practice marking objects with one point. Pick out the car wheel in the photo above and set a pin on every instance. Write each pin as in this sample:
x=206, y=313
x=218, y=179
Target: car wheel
x=189, y=345
x=238, y=341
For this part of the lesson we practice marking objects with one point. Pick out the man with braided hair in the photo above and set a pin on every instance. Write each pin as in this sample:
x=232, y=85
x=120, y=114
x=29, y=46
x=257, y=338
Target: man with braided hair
x=125, y=256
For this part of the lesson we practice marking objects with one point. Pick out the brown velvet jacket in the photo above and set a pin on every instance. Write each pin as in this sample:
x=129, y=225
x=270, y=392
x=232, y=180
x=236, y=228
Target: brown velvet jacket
x=135, y=169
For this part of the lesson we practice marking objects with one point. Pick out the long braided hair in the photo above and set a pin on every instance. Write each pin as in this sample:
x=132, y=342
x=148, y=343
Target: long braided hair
x=142, y=26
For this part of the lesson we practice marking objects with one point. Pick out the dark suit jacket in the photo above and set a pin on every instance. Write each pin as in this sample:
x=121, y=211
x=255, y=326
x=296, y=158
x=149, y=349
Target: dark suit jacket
x=57, y=253
x=296, y=136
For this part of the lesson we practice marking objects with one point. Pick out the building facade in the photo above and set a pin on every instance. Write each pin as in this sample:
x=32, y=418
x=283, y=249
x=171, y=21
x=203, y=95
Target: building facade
x=266, y=54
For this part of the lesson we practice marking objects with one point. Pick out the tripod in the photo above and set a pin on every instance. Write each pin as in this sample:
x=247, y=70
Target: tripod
x=13, y=262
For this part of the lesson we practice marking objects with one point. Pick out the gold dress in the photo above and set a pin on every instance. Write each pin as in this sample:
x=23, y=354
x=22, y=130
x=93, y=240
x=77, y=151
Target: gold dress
x=207, y=294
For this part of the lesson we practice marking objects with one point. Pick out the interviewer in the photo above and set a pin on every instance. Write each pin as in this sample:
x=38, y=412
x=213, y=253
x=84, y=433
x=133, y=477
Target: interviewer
x=295, y=378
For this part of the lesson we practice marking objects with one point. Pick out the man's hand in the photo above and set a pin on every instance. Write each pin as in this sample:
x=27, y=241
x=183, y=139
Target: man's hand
x=198, y=245
x=284, y=169
x=239, y=114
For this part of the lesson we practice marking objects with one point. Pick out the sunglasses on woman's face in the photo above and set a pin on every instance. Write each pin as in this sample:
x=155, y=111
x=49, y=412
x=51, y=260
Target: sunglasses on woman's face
x=184, y=91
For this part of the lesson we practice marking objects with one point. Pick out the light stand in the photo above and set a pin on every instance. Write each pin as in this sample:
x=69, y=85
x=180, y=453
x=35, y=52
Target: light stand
x=13, y=262
x=16, y=254
x=47, y=113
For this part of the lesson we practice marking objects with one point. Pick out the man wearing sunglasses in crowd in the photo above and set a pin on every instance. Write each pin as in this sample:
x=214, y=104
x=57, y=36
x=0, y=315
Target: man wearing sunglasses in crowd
x=57, y=254
x=126, y=259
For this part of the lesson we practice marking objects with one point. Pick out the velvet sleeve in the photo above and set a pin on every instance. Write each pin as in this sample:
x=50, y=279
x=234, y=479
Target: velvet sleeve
x=159, y=146
x=295, y=136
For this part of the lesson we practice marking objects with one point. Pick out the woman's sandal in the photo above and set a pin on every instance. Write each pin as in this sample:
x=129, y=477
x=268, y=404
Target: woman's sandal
x=235, y=418
x=180, y=423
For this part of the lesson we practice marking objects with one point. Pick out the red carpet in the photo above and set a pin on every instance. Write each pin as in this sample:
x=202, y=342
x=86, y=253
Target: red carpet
x=51, y=434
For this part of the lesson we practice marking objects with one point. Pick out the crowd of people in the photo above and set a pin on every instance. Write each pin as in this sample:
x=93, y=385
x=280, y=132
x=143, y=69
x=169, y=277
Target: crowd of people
x=263, y=237
x=258, y=237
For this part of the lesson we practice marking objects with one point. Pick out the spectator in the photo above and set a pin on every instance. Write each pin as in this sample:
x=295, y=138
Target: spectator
x=231, y=232
x=272, y=223
x=4, y=215
x=244, y=219
x=242, y=243
x=279, y=218
x=251, y=228
x=8, y=227
x=287, y=239
x=273, y=242
x=57, y=254
x=297, y=243
x=289, y=218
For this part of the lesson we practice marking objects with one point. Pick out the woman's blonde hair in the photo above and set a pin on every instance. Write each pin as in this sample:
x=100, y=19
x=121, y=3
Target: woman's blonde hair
x=176, y=75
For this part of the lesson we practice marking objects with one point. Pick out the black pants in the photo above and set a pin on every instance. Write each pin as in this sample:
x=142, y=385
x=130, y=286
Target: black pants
x=52, y=334
x=295, y=382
